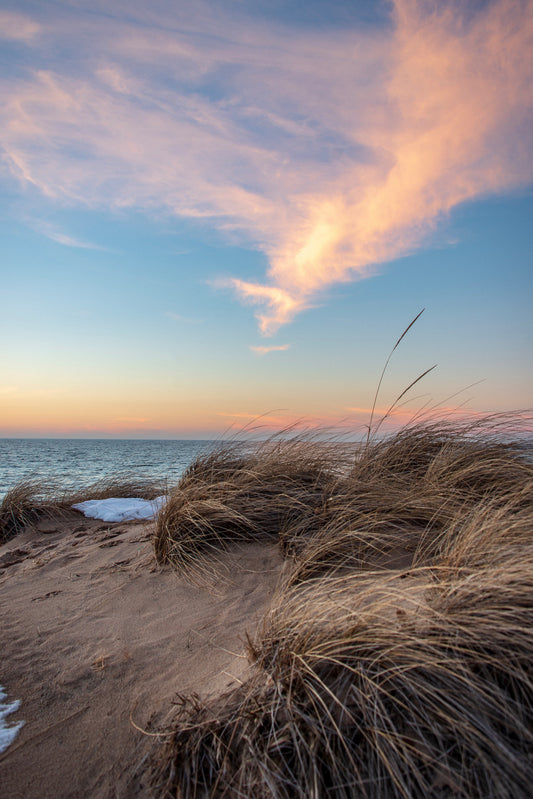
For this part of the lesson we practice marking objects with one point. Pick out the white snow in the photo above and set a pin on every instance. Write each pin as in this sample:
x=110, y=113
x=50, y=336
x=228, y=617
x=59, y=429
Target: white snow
x=120, y=510
x=8, y=732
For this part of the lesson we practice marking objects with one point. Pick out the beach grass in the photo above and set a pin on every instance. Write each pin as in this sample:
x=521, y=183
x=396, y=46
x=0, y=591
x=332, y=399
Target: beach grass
x=33, y=499
x=327, y=503
x=370, y=685
x=242, y=493
x=396, y=657
x=18, y=509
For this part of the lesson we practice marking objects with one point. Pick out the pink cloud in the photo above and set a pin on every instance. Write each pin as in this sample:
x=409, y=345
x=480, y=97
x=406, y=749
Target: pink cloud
x=332, y=152
x=60, y=237
x=18, y=27
x=261, y=350
x=280, y=304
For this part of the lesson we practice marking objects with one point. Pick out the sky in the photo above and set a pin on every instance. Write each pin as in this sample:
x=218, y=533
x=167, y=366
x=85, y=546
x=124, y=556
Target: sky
x=224, y=213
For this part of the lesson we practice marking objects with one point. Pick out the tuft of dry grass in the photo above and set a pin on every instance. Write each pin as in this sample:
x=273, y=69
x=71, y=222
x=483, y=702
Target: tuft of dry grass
x=396, y=658
x=494, y=530
x=121, y=485
x=376, y=686
x=410, y=494
x=473, y=456
x=19, y=508
x=241, y=493
x=30, y=500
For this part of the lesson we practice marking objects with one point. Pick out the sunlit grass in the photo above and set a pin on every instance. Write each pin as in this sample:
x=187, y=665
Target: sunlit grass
x=395, y=659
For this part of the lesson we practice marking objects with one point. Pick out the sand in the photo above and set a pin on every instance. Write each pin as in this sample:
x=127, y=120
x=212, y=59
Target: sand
x=97, y=641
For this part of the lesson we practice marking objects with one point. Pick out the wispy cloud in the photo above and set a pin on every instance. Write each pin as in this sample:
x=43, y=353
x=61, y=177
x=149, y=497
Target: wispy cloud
x=18, y=27
x=60, y=237
x=262, y=350
x=360, y=143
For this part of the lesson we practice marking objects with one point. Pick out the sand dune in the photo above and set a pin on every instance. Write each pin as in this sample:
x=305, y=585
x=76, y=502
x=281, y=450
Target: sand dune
x=97, y=638
x=389, y=656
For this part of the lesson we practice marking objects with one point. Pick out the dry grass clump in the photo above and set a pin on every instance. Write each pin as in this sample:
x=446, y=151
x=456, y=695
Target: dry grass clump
x=397, y=657
x=410, y=494
x=490, y=532
x=329, y=508
x=31, y=500
x=238, y=493
x=364, y=525
x=19, y=508
x=373, y=686
x=123, y=485
x=472, y=457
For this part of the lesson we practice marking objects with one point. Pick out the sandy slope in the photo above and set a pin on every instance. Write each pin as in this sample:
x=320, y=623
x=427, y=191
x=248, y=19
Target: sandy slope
x=95, y=636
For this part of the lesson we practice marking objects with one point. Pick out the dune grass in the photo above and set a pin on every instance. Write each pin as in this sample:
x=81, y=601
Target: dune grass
x=242, y=493
x=19, y=508
x=396, y=658
x=373, y=686
x=32, y=499
x=410, y=494
x=327, y=503
x=121, y=485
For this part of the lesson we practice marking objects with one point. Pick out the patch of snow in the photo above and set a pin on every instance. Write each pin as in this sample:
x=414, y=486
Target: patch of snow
x=120, y=510
x=8, y=732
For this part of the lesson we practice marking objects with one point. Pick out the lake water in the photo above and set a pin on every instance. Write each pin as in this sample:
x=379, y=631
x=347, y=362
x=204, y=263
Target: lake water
x=76, y=462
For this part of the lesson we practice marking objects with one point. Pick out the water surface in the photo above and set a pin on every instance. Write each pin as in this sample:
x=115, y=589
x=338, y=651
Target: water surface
x=75, y=462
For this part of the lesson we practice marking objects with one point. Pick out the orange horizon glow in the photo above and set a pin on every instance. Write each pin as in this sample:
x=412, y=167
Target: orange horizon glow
x=215, y=424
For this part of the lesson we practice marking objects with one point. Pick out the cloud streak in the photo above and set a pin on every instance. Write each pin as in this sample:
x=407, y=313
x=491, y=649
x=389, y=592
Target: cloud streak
x=60, y=237
x=17, y=27
x=332, y=152
x=264, y=350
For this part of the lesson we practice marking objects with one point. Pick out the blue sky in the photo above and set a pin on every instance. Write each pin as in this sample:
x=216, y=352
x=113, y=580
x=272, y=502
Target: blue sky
x=214, y=211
